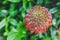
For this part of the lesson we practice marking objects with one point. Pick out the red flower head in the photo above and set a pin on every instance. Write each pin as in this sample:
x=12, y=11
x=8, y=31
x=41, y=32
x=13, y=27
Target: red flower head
x=38, y=19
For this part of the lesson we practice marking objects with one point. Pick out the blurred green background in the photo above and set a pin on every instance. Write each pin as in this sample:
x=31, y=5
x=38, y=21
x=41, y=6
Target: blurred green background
x=12, y=13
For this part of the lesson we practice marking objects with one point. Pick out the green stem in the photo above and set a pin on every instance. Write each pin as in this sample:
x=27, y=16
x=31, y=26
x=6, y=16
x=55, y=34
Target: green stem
x=7, y=23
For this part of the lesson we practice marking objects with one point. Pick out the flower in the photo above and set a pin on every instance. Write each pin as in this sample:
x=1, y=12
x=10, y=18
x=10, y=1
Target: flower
x=38, y=19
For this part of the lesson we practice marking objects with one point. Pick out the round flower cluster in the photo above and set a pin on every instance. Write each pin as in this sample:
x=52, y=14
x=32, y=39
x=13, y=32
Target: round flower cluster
x=38, y=19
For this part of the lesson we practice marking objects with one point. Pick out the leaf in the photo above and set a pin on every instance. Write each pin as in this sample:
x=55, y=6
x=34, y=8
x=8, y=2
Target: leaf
x=17, y=34
x=46, y=38
x=2, y=23
x=34, y=37
x=53, y=10
x=5, y=33
x=20, y=26
x=5, y=2
x=13, y=21
x=54, y=21
x=13, y=13
x=14, y=1
x=46, y=2
x=4, y=13
x=12, y=7
x=57, y=14
x=58, y=22
x=59, y=35
x=24, y=4
x=23, y=14
x=40, y=35
x=58, y=3
x=11, y=35
x=39, y=2
x=30, y=5
x=21, y=29
x=53, y=33
x=21, y=8
x=12, y=10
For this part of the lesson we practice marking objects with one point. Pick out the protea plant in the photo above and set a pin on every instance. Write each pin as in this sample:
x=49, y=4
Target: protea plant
x=38, y=19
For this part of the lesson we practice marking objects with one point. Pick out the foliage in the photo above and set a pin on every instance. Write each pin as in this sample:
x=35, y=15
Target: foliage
x=12, y=13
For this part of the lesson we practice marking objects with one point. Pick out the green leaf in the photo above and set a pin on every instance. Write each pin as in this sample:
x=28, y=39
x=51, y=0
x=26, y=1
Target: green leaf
x=20, y=26
x=34, y=37
x=58, y=3
x=13, y=13
x=12, y=10
x=46, y=38
x=53, y=10
x=58, y=22
x=57, y=14
x=30, y=5
x=4, y=13
x=17, y=34
x=21, y=8
x=11, y=35
x=40, y=35
x=24, y=4
x=15, y=1
x=23, y=14
x=53, y=33
x=54, y=21
x=21, y=29
x=2, y=23
x=39, y=2
x=5, y=33
x=13, y=21
x=12, y=7
x=5, y=2
x=58, y=35
x=46, y=2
